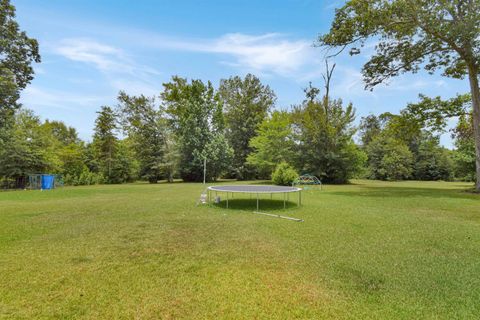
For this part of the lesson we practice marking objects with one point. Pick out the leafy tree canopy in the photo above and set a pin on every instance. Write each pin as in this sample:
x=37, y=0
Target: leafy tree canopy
x=196, y=116
x=414, y=34
x=17, y=52
x=323, y=133
x=273, y=143
x=145, y=124
x=246, y=104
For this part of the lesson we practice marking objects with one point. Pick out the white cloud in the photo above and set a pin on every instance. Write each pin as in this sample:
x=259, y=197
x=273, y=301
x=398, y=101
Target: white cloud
x=105, y=58
x=121, y=72
x=136, y=86
x=102, y=56
x=34, y=97
x=269, y=53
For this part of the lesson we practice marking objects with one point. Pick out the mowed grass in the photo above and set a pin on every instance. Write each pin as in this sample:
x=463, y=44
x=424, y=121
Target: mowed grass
x=370, y=250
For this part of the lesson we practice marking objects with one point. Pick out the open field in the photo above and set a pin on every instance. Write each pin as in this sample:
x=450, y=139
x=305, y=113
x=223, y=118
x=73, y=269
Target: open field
x=367, y=250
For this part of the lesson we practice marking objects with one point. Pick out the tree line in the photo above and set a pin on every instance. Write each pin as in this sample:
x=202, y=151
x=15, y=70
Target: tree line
x=240, y=134
x=237, y=129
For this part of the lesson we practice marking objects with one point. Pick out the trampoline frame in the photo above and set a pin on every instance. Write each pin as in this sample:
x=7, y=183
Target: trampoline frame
x=255, y=189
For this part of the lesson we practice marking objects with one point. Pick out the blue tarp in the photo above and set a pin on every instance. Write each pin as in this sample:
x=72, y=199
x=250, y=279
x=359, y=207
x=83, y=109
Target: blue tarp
x=47, y=181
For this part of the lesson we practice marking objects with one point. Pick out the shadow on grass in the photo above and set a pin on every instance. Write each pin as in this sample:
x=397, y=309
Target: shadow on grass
x=251, y=204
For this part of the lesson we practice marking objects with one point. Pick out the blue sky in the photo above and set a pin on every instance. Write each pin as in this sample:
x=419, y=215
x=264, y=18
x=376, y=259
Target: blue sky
x=92, y=49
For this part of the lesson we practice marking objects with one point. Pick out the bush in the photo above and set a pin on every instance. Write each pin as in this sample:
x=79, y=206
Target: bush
x=85, y=178
x=284, y=174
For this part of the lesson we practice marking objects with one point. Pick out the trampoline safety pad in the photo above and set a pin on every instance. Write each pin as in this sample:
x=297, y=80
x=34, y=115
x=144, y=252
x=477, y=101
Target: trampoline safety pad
x=255, y=189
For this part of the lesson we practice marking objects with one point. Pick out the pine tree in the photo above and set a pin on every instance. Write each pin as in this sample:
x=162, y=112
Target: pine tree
x=105, y=141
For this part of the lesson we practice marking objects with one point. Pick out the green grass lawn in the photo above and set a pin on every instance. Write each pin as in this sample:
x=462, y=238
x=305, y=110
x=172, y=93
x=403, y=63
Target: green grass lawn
x=374, y=250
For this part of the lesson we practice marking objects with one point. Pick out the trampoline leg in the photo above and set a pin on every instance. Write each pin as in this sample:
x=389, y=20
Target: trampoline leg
x=227, y=200
x=257, y=201
x=299, y=198
x=284, y=203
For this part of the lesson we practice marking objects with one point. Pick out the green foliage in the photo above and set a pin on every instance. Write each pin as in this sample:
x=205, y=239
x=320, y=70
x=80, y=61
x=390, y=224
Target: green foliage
x=395, y=132
x=85, y=178
x=72, y=159
x=414, y=34
x=114, y=159
x=125, y=166
x=434, y=112
x=464, y=155
x=411, y=33
x=49, y=147
x=389, y=159
x=17, y=53
x=370, y=127
x=402, y=127
x=90, y=159
x=145, y=124
x=24, y=149
x=432, y=162
x=284, y=174
x=273, y=144
x=63, y=134
x=323, y=134
x=105, y=142
x=246, y=104
x=219, y=156
x=196, y=117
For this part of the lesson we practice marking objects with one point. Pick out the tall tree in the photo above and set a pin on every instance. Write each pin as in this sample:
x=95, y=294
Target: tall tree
x=273, y=144
x=246, y=104
x=17, y=52
x=145, y=124
x=64, y=134
x=105, y=141
x=411, y=34
x=72, y=159
x=388, y=136
x=370, y=127
x=432, y=162
x=465, y=149
x=196, y=117
x=389, y=159
x=323, y=133
x=25, y=151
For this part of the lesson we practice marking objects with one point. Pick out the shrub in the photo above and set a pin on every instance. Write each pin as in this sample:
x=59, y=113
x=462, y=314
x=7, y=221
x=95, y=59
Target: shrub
x=85, y=178
x=284, y=174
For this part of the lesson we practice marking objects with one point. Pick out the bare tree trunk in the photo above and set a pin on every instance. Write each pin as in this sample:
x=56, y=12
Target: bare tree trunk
x=475, y=90
x=327, y=77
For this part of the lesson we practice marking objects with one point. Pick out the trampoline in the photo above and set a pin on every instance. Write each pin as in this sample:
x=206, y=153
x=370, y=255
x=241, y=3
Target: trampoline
x=255, y=189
